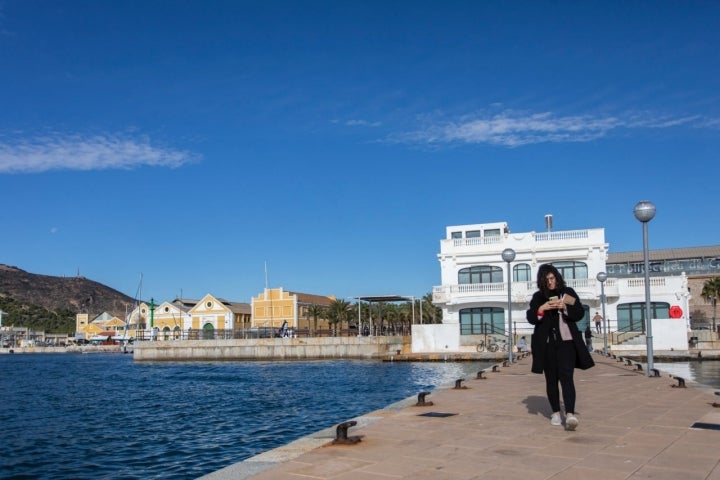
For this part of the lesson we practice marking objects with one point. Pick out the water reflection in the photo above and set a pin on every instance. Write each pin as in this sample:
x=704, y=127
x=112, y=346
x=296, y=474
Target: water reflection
x=706, y=372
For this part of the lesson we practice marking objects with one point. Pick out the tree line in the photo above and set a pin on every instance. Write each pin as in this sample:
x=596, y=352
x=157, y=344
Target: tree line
x=19, y=314
x=342, y=314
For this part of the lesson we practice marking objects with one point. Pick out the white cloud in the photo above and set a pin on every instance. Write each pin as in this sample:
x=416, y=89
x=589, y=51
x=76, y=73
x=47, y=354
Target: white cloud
x=85, y=152
x=361, y=123
x=513, y=128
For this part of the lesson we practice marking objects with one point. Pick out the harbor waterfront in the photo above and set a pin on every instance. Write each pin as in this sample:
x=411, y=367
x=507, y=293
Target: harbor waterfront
x=82, y=416
x=496, y=427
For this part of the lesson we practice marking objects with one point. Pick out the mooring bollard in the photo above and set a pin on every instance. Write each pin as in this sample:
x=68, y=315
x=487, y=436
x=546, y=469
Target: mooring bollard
x=628, y=361
x=458, y=384
x=481, y=375
x=681, y=382
x=421, y=400
x=341, y=435
x=639, y=367
x=655, y=372
x=495, y=368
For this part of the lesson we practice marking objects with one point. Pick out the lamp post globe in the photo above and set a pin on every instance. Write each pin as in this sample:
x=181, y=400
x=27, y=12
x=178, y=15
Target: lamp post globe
x=601, y=277
x=508, y=255
x=644, y=212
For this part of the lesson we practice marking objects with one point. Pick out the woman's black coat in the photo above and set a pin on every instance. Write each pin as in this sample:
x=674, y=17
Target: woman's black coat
x=543, y=326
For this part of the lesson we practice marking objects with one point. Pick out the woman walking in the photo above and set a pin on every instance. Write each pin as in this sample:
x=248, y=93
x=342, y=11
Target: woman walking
x=557, y=344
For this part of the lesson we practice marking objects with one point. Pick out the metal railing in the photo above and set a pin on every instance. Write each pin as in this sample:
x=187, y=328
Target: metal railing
x=268, y=332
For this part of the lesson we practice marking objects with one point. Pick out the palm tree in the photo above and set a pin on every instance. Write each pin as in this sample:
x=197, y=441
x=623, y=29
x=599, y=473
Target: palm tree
x=431, y=312
x=339, y=311
x=391, y=314
x=711, y=292
x=315, y=311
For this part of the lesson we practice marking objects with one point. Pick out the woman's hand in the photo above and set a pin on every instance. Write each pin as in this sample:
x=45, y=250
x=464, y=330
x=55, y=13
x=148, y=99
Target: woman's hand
x=551, y=305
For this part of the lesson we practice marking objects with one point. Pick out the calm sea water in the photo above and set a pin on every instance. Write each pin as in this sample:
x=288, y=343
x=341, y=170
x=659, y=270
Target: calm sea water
x=706, y=372
x=67, y=416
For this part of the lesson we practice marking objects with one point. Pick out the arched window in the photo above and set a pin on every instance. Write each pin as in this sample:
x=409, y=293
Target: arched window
x=572, y=270
x=631, y=316
x=482, y=320
x=521, y=273
x=480, y=274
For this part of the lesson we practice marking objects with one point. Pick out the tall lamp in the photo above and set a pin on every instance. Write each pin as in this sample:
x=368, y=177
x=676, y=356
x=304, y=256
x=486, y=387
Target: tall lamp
x=645, y=211
x=508, y=255
x=601, y=277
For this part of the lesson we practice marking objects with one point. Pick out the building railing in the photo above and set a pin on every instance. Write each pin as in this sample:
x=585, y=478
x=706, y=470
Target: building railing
x=561, y=235
x=585, y=287
x=527, y=241
x=267, y=332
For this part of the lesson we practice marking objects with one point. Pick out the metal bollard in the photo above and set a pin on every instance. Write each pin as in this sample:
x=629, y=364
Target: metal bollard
x=458, y=384
x=681, y=382
x=655, y=372
x=628, y=361
x=639, y=367
x=421, y=400
x=481, y=375
x=341, y=435
x=495, y=368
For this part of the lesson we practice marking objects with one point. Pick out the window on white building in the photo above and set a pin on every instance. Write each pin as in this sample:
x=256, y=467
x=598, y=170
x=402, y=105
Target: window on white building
x=631, y=316
x=572, y=270
x=482, y=320
x=480, y=274
x=521, y=273
x=472, y=234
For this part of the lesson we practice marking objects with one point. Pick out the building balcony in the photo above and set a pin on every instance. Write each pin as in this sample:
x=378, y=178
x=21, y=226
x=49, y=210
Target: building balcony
x=588, y=289
x=528, y=241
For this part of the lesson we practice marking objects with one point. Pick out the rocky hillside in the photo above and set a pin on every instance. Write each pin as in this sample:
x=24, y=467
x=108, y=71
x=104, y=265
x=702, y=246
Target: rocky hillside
x=23, y=295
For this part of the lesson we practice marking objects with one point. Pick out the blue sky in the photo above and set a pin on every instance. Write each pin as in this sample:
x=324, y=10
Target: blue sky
x=196, y=142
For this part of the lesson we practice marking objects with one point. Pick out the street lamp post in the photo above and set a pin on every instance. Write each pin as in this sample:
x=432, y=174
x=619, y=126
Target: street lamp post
x=508, y=255
x=645, y=211
x=714, y=302
x=601, y=277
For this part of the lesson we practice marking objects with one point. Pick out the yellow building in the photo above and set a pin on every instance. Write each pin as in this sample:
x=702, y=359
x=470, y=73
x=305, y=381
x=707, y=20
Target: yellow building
x=272, y=308
x=210, y=314
x=172, y=318
x=138, y=320
x=104, y=325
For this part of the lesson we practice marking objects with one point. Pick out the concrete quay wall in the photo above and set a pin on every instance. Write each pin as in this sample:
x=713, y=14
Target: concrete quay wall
x=273, y=349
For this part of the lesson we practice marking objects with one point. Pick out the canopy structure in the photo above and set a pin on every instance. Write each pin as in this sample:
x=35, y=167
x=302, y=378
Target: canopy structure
x=383, y=299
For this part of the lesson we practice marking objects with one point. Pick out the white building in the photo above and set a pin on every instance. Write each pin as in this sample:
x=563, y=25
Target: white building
x=474, y=290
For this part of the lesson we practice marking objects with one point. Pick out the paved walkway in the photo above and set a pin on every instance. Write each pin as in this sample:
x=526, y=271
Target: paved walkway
x=631, y=427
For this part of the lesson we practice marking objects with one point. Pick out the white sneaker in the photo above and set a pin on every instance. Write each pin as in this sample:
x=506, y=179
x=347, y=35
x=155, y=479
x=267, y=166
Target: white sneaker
x=571, y=421
x=555, y=419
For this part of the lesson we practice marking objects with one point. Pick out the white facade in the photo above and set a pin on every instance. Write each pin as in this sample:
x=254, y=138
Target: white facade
x=474, y=275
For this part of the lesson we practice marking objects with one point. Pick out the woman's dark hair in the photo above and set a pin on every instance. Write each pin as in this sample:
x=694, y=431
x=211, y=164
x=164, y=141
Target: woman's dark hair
x=544, y=270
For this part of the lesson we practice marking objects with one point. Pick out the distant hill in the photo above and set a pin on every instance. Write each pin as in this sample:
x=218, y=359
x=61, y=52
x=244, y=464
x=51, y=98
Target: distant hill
x=44, y=301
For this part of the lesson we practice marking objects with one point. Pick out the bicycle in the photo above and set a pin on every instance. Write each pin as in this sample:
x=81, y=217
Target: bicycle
x=483, y=347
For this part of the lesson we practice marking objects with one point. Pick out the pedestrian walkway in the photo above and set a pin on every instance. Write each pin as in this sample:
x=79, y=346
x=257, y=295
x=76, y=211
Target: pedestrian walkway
x=631, y=427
